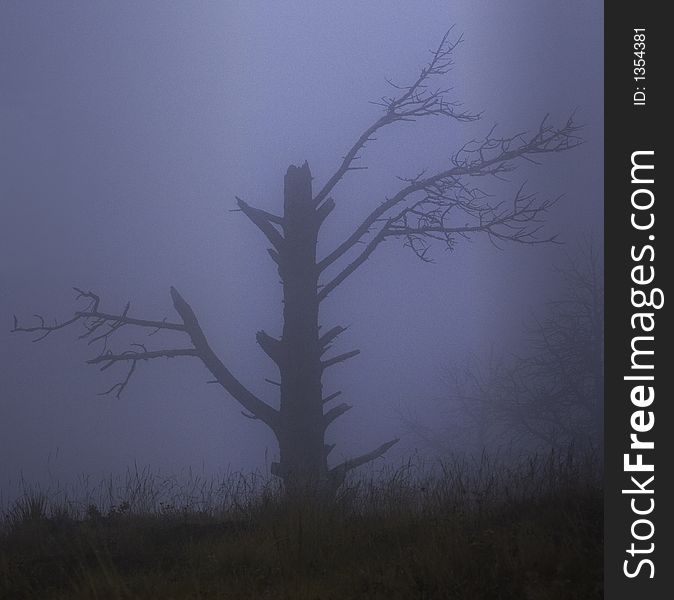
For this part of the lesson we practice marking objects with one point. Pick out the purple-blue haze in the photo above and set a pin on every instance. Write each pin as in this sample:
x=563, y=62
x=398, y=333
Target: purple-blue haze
x=126, y=130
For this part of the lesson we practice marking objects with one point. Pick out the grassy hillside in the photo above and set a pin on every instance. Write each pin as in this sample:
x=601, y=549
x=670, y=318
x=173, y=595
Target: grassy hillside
x=451, y=530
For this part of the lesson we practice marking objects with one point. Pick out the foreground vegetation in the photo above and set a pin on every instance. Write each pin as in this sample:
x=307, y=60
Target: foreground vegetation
x=452, y=530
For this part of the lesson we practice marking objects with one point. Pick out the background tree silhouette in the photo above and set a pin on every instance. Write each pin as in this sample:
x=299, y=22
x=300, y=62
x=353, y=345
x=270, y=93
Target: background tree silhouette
x=446, y=205
x=548, y=396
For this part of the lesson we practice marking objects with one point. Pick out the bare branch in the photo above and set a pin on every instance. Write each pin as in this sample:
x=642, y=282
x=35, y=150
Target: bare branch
x=42, y=328
x=267, y=215
x=334, y=412
x=119, y=387
x=339, y=358
x=350, y=156
x=227, y=380
x=432, y=219
x=446, y=195
x=263, y=220
x=325, y=209
x=417, y=100
x=274, y=256
x=108, y=359
x=330, y=335
x=271, y=346
x=338, y=473
x=98, y=325
x=331, y=397
x=351, y=267
x=410, y=103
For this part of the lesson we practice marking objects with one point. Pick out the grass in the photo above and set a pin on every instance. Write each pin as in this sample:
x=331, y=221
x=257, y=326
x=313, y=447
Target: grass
x=450, y=530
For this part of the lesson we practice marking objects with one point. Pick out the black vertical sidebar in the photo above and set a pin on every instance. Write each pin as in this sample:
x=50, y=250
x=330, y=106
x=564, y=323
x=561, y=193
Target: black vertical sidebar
x=638, y=533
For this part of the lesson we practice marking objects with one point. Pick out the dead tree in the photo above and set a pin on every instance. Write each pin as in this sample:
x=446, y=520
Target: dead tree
x=445, y=205
x=547, y=396
x=563, y=377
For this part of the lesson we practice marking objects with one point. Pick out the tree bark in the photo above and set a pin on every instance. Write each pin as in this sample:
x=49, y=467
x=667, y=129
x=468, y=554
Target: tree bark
x=303, y=461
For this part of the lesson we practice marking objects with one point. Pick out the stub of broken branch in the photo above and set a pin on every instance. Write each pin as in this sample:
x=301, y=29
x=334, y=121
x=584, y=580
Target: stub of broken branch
x=332, y=396
x=339, y=358
x=330, y=335
x=335, y=412
x=272, y=347
x=338, y=473
x=264, y=221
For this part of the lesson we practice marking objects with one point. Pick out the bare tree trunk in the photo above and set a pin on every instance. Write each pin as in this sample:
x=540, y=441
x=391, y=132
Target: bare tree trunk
x=303, y=462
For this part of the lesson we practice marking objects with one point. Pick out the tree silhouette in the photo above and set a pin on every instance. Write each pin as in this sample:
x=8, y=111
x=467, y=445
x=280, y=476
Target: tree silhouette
x=550, y=396
x=446, y=206
x=558, y=390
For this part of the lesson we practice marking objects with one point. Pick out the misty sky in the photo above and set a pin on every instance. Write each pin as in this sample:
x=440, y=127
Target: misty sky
x=127, y=128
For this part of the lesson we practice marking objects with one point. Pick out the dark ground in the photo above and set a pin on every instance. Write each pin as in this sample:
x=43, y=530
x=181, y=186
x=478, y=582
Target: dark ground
x=461, y=530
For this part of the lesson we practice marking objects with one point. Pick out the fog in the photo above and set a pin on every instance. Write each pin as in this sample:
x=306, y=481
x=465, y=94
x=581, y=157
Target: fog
x=126, y=130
